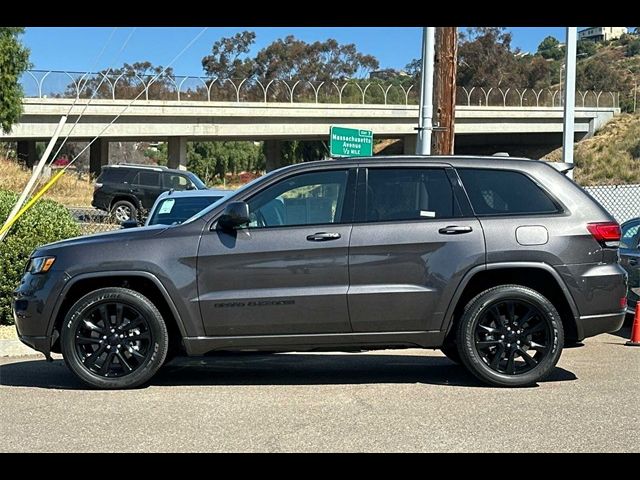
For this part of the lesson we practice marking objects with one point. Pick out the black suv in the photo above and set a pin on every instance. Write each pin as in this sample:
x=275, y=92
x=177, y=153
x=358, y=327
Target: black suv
x=124, y=190
x=498, y=262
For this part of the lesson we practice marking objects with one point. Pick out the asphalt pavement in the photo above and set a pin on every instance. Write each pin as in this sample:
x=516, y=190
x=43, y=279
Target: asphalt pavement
x=392, y=400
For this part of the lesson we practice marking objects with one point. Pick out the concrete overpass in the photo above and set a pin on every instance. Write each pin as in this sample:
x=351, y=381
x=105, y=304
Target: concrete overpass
x=477, y=127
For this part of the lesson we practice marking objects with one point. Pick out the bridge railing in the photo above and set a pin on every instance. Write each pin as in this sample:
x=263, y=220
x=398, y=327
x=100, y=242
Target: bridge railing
x=396, y=91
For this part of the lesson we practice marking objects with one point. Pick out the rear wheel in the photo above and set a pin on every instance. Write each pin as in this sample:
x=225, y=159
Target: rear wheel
x=114, y=338
x=510, y=336
x=124, y=210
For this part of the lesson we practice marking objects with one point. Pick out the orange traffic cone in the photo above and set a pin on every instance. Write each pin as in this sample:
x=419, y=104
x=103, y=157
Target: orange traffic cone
x=635, y=329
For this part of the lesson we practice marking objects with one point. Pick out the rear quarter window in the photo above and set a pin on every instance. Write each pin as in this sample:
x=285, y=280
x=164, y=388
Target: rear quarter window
x=115, y=175
x=504, y=192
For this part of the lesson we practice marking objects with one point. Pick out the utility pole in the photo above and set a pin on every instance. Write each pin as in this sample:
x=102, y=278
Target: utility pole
x=425, y=120
x=445, y=90
x=569, y=98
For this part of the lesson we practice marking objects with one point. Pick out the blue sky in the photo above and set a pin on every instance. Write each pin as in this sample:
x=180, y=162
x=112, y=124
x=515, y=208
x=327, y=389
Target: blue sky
x=78, y=48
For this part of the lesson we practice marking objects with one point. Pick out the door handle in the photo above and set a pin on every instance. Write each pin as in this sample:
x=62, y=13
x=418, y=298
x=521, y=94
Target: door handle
x=455, y=230
x=323, y=237
x=633, y=262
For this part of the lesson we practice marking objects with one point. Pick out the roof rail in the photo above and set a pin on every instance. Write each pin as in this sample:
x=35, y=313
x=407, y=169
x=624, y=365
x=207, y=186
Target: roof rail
x=158, y=168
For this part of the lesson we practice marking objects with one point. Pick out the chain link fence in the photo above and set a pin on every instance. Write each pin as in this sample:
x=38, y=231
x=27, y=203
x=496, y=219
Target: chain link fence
x=91, y=220
x=621, y=201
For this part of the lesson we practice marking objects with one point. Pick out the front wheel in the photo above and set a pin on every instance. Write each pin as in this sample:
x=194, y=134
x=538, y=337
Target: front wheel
x=510, y=336
x=114, y=338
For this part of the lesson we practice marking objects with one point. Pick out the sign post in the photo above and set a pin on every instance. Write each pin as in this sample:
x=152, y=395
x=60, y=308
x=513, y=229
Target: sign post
x=350, y=142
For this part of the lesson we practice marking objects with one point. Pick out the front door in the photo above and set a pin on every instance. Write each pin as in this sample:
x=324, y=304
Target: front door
x=412, y=241
x=287, y=273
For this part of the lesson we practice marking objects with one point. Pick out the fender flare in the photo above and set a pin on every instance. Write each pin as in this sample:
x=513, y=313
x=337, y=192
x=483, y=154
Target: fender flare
x=448, y=318
x=115, y=273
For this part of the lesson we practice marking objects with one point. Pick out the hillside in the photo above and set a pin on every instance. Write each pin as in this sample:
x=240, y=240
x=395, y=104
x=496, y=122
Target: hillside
x=611, y=156
x=69, y=190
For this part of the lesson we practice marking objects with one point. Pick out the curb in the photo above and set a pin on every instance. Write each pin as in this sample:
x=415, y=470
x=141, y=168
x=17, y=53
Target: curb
x=15, y=348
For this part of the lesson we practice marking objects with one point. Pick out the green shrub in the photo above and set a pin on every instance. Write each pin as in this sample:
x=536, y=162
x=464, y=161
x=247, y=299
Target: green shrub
x=45, y=222
x=633, y=48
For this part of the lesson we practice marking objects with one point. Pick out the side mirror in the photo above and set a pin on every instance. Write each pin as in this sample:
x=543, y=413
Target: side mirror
x=235, y=215
x=131, y=223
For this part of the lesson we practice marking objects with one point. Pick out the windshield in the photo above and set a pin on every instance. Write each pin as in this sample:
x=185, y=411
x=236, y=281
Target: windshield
x=170, y=211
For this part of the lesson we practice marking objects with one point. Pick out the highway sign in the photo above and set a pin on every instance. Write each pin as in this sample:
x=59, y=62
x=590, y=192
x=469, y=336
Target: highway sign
x=350, y=142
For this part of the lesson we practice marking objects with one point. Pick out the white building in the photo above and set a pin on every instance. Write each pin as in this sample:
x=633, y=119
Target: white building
x=598, y=34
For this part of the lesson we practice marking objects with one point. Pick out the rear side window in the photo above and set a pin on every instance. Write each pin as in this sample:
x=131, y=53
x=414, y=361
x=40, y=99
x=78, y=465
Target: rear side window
x=115, y=175
x=395, y=194
x=503, y=192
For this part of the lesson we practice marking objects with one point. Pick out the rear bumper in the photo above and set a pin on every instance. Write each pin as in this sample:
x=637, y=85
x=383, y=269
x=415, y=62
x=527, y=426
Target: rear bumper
x=101, y=201
x=591, y=325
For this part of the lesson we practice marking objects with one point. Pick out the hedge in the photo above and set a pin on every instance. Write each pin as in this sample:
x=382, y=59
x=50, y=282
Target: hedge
x=46, y=222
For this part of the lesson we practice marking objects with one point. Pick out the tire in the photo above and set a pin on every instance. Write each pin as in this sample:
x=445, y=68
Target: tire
x=123, y=351
x=124, y=210
x=490, y=338
x=450, y=350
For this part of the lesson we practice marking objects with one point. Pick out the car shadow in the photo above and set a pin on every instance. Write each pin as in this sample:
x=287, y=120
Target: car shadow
x=624, y=332
x=272, y=369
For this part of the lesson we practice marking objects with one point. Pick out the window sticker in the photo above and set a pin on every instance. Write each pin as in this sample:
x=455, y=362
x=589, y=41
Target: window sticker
x=166, y=206
x=427, y=213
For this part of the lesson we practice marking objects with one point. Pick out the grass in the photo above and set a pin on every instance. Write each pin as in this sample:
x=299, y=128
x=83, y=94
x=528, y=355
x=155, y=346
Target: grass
x=70, y=190
x=611, y=156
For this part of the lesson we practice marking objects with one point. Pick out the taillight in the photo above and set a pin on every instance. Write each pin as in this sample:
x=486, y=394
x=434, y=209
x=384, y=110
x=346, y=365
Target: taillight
x=606, y=233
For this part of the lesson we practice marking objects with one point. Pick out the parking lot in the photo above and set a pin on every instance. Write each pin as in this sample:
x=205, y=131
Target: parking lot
x=404, y=400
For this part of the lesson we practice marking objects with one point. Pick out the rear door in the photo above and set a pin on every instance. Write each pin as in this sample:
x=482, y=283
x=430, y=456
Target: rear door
x=410, y=246
x=147, y=187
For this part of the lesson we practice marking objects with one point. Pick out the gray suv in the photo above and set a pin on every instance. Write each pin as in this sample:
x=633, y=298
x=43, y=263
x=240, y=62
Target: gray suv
x=498, y=262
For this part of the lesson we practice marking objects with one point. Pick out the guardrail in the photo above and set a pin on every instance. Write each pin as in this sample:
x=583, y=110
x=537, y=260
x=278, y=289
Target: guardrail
x=400, y=90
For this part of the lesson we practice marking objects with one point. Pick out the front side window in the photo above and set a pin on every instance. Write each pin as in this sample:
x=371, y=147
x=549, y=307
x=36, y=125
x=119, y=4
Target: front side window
x=395, y=194
x=306, y=199
x=504, y=192
x=630, y=235
x=175, y=181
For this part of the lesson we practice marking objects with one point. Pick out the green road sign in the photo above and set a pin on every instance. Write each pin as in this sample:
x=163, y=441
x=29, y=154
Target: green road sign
x=350, y=142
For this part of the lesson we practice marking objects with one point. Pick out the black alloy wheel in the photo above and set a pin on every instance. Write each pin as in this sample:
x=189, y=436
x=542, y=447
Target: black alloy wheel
x=510, y=336
x=513, y=337
x=113, y=339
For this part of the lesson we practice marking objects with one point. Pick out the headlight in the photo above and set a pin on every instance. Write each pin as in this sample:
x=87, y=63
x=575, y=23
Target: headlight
x=40, y=264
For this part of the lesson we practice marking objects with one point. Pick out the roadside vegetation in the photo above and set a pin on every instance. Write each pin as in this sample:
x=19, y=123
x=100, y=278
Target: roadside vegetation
x=611, y=156
x=70, y=190
x=46, y=222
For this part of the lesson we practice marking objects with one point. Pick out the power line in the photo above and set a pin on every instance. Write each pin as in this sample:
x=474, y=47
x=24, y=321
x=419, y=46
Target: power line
x=139, y=95
x=104, y=77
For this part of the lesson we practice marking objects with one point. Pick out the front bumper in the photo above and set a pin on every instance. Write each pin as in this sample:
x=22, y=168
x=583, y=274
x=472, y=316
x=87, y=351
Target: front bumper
x=33, y=304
